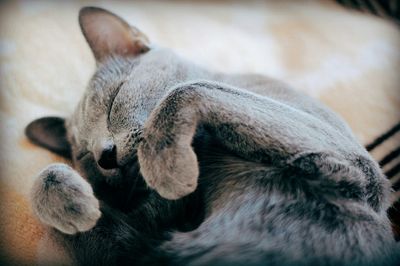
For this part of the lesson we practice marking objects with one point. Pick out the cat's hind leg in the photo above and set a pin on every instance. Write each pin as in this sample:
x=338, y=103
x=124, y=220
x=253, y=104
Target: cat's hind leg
x=62, y=199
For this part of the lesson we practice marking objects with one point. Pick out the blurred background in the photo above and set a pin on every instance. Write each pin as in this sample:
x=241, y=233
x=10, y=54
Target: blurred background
x=348, y=59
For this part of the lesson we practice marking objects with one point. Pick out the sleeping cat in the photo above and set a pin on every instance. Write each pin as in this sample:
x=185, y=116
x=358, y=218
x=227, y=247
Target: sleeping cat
x=178, y=165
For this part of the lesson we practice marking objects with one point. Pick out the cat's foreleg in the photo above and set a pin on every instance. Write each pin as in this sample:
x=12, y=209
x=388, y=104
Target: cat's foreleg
x=92, y=232
x=254, y=127
x=62, y=199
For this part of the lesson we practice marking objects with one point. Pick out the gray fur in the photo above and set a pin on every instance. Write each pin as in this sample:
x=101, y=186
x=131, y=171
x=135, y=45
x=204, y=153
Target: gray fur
x=63, y=200
x=288, y=183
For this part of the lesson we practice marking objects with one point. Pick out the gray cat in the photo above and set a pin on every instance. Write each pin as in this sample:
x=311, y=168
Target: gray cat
x=192, y=167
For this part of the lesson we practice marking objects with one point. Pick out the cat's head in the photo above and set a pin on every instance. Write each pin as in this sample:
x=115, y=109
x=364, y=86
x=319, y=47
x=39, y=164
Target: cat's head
x=102, y=134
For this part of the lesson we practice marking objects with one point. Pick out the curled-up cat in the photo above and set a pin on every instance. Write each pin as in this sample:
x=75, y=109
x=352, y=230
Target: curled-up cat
x=178, y=165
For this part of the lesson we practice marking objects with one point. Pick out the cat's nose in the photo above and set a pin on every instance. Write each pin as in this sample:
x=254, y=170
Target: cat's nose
x=108, y=157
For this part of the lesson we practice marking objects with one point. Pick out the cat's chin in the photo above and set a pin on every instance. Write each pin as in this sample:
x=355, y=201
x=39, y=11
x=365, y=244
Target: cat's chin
x=113, y=176
x=111, y=172
x=123, y=175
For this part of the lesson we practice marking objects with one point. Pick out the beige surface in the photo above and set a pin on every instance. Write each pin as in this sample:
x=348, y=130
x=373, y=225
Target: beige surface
x=348, y=60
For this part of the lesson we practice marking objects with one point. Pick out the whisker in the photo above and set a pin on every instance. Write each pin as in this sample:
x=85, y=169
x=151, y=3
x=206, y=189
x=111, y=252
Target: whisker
x=134, y=186
x=82, y=155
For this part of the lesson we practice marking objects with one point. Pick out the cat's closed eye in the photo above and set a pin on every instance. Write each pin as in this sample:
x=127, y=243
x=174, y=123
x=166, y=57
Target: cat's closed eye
x=114, y=95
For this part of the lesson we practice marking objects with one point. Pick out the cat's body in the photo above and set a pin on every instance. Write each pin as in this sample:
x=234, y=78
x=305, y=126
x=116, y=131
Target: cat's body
x=268, y=177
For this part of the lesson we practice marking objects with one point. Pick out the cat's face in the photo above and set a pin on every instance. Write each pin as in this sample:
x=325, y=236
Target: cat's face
x=102, y=135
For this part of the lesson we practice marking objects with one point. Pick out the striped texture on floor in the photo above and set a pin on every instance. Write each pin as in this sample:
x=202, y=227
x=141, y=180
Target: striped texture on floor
x=390, y=163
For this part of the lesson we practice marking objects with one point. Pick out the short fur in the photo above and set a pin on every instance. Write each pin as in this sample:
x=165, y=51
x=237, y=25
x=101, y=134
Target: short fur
x=212, y=169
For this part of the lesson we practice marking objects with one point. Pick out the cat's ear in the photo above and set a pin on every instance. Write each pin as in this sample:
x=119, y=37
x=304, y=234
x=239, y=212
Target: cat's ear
x=50, y=133
x=107, y=34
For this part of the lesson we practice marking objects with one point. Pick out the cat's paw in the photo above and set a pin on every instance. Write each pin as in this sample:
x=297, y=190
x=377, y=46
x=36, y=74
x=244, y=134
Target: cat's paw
x=62, y=199
x=171, y=170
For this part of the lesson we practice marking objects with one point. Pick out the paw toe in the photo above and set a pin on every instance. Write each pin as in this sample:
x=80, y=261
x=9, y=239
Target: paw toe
x=88, y=221
x=66, y=228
